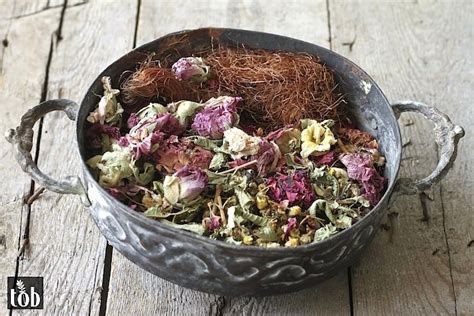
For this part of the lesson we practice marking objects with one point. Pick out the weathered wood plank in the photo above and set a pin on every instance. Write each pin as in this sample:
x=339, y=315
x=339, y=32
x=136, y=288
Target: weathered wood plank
x=66, y=247
x=306, y=20
x=18, y=92
x=409, y=269
x=23, y=8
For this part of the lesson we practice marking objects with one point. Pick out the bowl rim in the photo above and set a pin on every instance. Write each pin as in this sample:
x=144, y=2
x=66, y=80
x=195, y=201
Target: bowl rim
x=254, y=250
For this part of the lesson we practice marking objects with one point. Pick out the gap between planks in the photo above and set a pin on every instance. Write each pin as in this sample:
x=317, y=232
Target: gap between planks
x=23, y=238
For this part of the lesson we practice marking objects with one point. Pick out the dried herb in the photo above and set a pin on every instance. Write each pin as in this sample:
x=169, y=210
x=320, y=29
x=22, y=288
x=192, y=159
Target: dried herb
x=192, y=163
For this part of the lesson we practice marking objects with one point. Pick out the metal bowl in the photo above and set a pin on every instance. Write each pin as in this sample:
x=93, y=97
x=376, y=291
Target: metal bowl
x=214, y=266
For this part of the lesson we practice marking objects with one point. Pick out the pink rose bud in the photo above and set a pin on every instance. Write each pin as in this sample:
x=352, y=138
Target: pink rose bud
x=191, y=68
x=219, y=114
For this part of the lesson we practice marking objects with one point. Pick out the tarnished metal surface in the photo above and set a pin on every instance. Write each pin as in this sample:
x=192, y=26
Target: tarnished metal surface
x=22, y=139
x=214, y=266
x=447, y=136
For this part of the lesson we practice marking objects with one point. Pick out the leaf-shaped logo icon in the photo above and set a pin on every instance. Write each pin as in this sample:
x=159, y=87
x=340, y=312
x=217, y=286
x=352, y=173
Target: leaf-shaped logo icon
x=21, y=286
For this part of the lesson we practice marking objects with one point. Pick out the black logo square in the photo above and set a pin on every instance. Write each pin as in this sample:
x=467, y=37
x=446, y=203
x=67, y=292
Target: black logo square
x=25, y=292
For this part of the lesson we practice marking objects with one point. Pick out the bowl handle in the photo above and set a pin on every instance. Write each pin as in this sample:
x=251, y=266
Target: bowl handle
x=22, y=139
x=447, y=136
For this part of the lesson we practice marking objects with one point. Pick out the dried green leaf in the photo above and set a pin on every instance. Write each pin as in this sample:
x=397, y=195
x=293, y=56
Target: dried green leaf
x=184, y=111
x=206, y=143
x=171, y=189
x=195, y=228
x=324, y=232
x=267, y=234
x=144, y=177
x=244, y=198
x=257, y=220
x=151, y=110
x=218, y=161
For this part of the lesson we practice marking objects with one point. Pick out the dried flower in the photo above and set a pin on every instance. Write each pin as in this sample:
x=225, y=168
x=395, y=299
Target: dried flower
x=247, y=240
x=94, y=134
x=288, y=139
x=151, y=110
x=108, y=110
x=292, y=242
x=212, y=223
x=147, y=146
x=326, y=159
x=191, y=68
x=291, y=224
x=132, y=120
x=174, y=154
x=184, y=111
x=267, y=157
x=239, y=144
x=113, y=166
x=294, y=211
x=317, y=139
x=219, y=114
x=163, y=122
x=360, y=167
x=261, y=200
x=185, y=185
x=294, y=187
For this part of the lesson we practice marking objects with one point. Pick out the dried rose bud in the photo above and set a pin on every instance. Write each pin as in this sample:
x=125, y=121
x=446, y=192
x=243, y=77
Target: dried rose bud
x=185, y=185
x=219, y=114
x=191, y=68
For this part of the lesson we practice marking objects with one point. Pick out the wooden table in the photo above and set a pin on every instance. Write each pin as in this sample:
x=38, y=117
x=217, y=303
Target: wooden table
x=421, y=261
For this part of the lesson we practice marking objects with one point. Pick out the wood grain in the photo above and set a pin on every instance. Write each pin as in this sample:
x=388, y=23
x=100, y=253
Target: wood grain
x=18, y=92
x=66, y=247
x=421, y=51
x=306, y=20
x=418, y=50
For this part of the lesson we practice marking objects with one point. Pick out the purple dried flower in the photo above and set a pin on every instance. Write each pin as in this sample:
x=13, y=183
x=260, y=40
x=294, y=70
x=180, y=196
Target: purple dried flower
x=168, y=124
x=123, y=141
x=147, y=146
x=294, y=187
x=162, y=122
x=219, y=114
x=327, y=159
x=133, y=120
x=184, y=185
x=215, y=222
x=292, y=224
x=192, y=182
x=94, y=133
x=360, y=167
x=267, y=157
x=211, y=223
x=192, y=68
